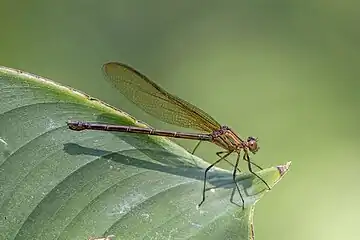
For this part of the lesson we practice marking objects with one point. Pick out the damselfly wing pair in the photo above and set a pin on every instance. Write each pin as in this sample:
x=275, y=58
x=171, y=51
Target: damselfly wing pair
x=169, y=108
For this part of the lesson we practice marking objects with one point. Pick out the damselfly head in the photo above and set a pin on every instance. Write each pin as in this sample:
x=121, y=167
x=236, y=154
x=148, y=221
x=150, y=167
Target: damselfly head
x=252, y=144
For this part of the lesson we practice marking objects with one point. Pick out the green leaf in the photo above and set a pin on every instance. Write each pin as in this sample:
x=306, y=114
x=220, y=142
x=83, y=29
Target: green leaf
x=61, y=184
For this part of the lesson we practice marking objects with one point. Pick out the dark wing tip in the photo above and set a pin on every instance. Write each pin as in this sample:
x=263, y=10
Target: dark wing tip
x=110, y=66
x=113, y=68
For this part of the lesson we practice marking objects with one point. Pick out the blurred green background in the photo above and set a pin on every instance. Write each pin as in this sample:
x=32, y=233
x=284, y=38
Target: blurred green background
x=285, y=71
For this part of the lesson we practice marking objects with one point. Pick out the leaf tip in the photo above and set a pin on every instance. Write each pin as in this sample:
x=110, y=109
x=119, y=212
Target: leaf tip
x=284, y=168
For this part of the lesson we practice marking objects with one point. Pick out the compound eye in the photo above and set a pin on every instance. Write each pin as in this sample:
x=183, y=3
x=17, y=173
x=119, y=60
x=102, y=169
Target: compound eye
x=252, y=144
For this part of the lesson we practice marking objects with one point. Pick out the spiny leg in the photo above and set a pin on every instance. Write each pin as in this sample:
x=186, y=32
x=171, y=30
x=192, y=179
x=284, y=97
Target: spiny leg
x=234, y=179
x=197, y=145
x=256, y=165
x=193, y=151
x=232, y=198
x=222, y=152
x=233, y=191
x=205, y=174
x=247, y=158
x=219, y=155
